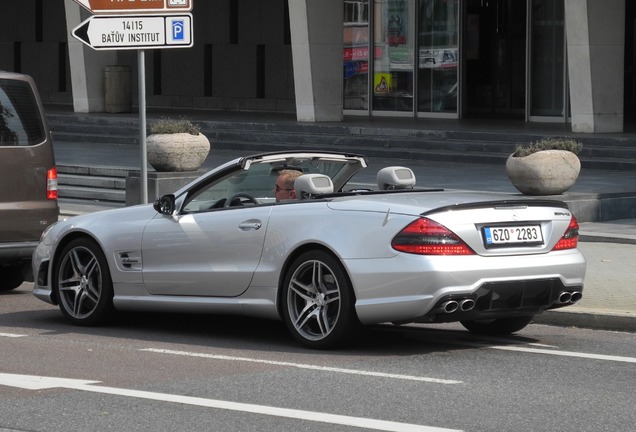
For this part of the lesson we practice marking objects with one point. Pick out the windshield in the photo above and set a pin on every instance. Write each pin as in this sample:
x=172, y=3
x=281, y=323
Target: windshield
x=255, y=184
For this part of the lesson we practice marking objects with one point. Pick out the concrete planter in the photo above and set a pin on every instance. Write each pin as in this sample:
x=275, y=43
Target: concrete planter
x=547, y=172
x=177, y=151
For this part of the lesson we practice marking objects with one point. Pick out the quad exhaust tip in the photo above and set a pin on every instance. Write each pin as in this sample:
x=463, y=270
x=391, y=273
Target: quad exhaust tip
x=451, y=306
x=467, y=304
x=570, y=297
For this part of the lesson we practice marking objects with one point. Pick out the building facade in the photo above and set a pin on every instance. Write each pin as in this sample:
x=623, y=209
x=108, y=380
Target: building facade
x=570, y=61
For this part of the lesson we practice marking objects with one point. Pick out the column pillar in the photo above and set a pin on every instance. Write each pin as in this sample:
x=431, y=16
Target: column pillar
x=87, y=65
x=316, y=38
x=596, y=42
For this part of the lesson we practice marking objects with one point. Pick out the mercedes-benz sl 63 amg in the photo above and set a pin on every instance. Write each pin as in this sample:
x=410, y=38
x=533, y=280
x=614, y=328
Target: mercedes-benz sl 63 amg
x=334, y=257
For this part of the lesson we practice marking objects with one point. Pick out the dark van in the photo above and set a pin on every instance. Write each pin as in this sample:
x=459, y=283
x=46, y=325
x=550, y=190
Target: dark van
x=28, y=178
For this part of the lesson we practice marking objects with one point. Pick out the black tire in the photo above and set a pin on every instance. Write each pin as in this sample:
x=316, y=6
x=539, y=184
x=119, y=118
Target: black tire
x=11, y=277
x=318, y=301
x=83, y=284
x=497, y=326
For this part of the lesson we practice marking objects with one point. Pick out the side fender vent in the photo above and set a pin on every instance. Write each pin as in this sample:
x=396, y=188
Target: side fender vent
x=128, y=261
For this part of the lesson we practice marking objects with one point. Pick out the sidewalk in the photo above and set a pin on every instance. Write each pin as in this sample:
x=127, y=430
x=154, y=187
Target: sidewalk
x=609, y=297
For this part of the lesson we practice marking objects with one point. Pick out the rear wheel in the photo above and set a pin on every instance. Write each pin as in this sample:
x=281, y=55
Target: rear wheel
x=318, y=301
x=83, y=284
x=11, y=277
x=497, y=326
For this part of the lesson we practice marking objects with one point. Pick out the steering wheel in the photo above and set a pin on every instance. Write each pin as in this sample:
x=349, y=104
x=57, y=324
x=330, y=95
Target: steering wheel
x=239, y=199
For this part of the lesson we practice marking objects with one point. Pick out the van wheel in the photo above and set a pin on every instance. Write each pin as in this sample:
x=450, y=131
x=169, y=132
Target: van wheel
x=11, y=277
x=82, y=283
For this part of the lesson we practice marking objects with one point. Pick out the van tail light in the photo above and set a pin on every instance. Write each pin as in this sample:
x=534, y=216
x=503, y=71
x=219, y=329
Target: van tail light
x=51, y=184
x=570, y=239
x=426, y=237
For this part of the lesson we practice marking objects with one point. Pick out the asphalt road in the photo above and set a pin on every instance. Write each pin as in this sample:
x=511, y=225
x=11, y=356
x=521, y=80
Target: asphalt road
x=159, y=372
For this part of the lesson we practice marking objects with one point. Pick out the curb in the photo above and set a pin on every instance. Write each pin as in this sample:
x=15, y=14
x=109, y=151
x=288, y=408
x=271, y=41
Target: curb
x=594, y=320
x=606, y=238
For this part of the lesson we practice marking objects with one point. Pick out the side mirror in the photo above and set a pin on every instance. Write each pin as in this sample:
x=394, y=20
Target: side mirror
x=165, y=205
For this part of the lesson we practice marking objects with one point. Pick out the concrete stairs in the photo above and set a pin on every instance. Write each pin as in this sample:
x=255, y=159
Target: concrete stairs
x=98, y=183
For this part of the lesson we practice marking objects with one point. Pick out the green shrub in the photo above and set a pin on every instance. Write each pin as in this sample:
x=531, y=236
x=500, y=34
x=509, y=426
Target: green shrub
x=548, y=144
x=172, y=126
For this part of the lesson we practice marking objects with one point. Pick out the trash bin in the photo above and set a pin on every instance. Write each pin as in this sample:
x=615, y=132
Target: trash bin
x=118, y=92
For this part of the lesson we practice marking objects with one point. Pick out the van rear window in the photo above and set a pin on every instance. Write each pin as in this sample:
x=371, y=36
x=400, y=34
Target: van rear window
x=20, y=121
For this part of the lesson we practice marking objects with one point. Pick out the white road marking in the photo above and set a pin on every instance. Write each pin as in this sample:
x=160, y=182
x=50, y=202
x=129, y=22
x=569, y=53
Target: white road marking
x=11, y=335
x=566, y=353
x=31, y=382
x=304, y=366
x=542, y=345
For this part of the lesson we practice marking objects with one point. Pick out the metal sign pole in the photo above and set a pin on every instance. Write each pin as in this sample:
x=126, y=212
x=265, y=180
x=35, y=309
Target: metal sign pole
x=142, y=127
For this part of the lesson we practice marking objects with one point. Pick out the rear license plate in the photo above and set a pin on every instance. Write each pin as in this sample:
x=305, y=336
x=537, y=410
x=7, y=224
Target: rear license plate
x=513, y=235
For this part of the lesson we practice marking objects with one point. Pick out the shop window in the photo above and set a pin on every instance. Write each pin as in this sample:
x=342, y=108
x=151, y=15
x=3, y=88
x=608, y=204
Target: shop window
x=356, y=55
x=403, y=41
x=394, y=53
x=547, y=58
x=438, y=55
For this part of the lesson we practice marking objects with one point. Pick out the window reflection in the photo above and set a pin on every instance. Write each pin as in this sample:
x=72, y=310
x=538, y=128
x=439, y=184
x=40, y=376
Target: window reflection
x=356, y=54
x=548, y=54
x=438, y=55
x=398, y=57
x=394, y=52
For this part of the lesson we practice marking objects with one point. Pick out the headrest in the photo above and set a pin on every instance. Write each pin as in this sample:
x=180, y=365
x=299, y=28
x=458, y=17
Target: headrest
x=395, y=177
x=308, y=185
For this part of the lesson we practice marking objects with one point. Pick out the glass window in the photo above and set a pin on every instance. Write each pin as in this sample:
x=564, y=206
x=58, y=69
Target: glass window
x=257, y=183
x=547, y=57
x=393, y=56
x=438, y=55
x=20, y=120
x=356, y=55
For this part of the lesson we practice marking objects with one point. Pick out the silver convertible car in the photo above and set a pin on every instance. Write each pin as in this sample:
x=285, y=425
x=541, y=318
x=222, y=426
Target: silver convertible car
x=339, y=255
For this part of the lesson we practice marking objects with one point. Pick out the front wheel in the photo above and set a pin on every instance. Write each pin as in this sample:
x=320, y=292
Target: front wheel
x=83, y=284
x=318, y=301
x=497, y=326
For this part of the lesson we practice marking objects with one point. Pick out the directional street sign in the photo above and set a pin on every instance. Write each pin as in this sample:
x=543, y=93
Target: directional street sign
x=127, y=32
x=136, y=6
x=137, y=25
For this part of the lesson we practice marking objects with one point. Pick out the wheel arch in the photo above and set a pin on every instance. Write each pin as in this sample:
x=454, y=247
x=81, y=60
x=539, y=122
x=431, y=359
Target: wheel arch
x=292, y=257
x=62, y=243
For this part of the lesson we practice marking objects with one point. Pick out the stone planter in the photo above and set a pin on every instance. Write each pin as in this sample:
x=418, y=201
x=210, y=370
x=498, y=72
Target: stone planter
x=177, y=151
x=547, y=172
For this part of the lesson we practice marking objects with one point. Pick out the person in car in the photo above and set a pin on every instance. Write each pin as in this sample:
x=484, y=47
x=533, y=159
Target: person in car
x=284, y=188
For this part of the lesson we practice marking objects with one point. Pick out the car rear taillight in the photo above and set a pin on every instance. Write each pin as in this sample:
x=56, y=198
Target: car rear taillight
x=570, y=239
x=51, y=184
x=426, y=237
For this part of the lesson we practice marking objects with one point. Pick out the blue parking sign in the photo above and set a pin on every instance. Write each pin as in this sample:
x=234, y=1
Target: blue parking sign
x=178, y=30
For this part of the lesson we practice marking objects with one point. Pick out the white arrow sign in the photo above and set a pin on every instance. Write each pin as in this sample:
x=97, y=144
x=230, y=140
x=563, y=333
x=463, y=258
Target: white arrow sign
x=30, y=382
x=123, y=32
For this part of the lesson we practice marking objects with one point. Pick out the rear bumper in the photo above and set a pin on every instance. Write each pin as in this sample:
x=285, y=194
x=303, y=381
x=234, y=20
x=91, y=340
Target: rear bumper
x=15, y=252
x=504, y=299
x=411, y=288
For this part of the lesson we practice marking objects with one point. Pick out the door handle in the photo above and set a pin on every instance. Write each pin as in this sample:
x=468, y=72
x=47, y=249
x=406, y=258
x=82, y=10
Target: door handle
x=250, y=225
